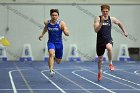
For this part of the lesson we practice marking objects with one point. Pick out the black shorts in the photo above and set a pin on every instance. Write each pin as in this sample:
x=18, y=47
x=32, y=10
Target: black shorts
x=100, y=48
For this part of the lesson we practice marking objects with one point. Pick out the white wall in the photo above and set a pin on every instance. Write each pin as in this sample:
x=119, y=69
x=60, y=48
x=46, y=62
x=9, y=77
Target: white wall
x=71, y=1
x=25, y=23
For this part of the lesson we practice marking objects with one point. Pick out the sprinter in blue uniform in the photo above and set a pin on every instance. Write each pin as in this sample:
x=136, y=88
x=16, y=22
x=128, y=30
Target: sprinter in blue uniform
x=55, y=27
x=102, y=26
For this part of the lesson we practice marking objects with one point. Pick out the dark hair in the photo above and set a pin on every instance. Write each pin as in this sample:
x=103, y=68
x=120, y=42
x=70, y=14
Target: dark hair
x=105, y=6
x=54, y=10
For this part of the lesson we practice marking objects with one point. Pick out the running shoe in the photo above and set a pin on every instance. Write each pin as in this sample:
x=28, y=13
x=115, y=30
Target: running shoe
x=99, y=75
x=112, y=68
x=52, y=73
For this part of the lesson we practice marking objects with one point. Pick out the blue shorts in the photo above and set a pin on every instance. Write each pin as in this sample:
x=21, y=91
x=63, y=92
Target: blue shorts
x=58, y=47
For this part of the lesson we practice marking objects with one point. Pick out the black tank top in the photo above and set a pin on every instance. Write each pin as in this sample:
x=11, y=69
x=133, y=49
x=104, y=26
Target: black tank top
x=104, y=34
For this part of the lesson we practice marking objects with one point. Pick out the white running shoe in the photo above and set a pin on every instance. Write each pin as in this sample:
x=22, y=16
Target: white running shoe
x=52, y=73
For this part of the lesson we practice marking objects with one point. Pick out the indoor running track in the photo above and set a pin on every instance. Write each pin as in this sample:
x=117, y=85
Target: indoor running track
x=70, y=77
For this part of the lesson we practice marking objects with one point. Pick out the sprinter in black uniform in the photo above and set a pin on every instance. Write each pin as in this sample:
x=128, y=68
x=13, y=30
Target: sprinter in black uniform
x=102, y=26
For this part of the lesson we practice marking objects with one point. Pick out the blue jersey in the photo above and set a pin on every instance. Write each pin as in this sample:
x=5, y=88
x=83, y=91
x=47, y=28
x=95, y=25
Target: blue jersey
x=54, y=32
x=104, y=34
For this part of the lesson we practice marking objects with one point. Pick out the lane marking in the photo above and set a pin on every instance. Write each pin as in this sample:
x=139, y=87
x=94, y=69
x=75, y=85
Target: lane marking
x=82, y=88
x=137, y=72
x=42, y=72
x=113, y=80
x=71, y=89
x=12, y=81
x=105, y=72
x=23, y=77
x=134, y=73
x=74, y=72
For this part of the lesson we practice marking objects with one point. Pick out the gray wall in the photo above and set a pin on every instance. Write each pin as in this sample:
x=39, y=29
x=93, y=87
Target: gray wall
x=25, y=24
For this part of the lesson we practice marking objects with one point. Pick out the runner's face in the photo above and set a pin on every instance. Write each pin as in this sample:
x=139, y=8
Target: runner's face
x=54, y=16
x=105, y=12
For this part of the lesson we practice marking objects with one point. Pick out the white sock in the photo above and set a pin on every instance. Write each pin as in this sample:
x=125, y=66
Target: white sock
x=110, y=62
x=100, y=70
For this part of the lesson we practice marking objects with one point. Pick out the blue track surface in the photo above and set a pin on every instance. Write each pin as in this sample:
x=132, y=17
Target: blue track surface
x=70, y=77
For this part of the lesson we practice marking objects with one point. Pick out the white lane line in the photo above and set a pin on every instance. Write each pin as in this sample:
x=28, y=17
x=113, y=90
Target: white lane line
x=137, y=72
x=23, y=77
x=105, y=72
x=70, y=89
x=134, y=73
x=12, y=81
x=74, y=72
x=42, y=72
x=82, y=88
x=112, y=80
x=61, y=69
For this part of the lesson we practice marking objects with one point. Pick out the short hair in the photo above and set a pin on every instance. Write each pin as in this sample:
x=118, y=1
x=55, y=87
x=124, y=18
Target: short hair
x=105, y=6
x=54, y=10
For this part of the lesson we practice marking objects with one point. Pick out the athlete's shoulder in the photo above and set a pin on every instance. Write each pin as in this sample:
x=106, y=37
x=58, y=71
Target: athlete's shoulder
x=96, y=19
x=112, y=17
x=114, y=20
x=46, y=22
x=62, y=23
